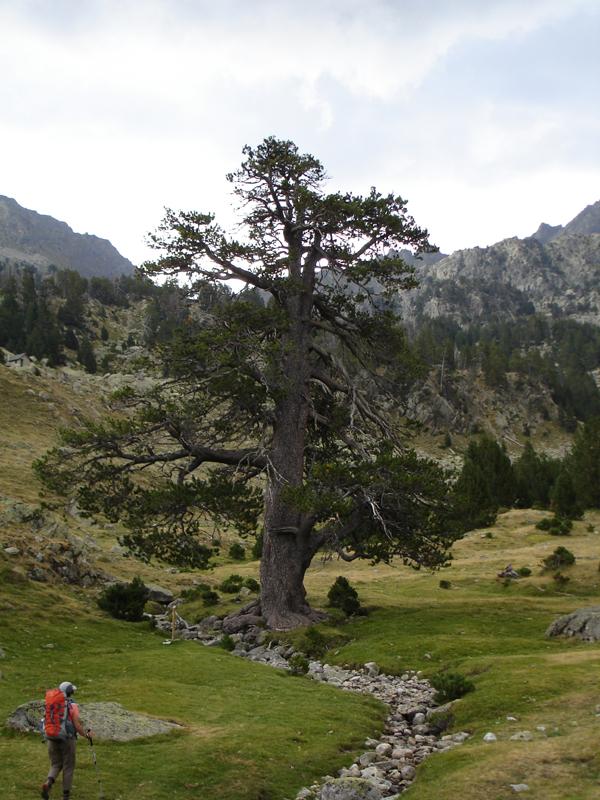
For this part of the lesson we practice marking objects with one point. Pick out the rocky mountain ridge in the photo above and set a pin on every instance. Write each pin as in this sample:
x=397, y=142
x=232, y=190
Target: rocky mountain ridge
x=27, y=237
x=555, y=272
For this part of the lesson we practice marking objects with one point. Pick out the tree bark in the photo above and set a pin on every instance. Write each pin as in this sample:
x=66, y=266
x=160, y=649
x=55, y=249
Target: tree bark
x=286, y=547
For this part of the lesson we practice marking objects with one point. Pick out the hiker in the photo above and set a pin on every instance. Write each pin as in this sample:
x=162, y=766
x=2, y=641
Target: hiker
x=61, y=726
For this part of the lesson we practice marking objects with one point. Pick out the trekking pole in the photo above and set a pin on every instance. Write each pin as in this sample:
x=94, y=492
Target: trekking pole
x=100, y=789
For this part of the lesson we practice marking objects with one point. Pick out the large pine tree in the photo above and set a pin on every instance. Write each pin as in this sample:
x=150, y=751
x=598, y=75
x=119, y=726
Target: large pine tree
x=286, y=405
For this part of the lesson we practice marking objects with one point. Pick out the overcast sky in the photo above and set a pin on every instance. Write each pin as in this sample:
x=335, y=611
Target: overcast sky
x=483, y=114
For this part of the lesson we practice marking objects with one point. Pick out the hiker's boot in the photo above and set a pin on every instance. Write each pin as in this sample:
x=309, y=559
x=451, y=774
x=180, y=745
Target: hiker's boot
x=46, y=788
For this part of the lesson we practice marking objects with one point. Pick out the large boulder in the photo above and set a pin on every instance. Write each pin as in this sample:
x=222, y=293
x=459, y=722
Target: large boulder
x=349, y=789
x=583, y=624
x=108, y=721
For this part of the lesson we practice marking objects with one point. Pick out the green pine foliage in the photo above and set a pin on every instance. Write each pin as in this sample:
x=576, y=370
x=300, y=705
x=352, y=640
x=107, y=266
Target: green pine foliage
x=584, y=464
x=535, y=476
x=486, y=483
x=344, y=596
x=125, y=600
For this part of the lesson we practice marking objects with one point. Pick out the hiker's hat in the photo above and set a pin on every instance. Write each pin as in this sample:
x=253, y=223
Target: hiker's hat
x=67, y=687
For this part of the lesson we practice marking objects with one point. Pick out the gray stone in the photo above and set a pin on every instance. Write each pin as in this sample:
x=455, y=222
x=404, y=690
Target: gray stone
x=519, y=787
x=582, y=624
x=419, y=718
x=522, y=736
x=384, y=749
x=12, y=551
x=159, y=595
x=2, y=653
x=109, y=721
x=408, y=772
x=372, y=668
x=350, y=789
x=490, y=737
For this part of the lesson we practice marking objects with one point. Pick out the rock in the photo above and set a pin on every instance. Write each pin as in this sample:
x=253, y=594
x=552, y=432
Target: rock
x=582, y=624
x=490, y=737
x=12, y=551
x=2, y=653
x=384, y=749
x=37, y=574
x=419, y=718
x=349, y=789
x=372, y=669
x=159, y=595
x=519, y=787
x=109, y=721
x=522, y=736
x=408, y=772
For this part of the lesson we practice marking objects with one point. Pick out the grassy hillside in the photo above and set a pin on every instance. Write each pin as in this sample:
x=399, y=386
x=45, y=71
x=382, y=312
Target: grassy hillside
x=252, y=733
x=249, y=731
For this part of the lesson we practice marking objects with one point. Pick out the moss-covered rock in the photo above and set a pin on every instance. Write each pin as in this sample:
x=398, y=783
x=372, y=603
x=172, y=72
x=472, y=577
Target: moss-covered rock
x=109, y=721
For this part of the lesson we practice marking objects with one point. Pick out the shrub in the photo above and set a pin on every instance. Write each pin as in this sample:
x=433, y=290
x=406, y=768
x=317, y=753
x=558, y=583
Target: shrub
x=524, y=572
x=343, y=595
x=252, y=584
x=195, y=591
x=562, y=526
x=210, y=598
x=489, y=535
x=556, y=526
x=227, y=643
x=445, y=584
x=125, y=600
x=237, y=552
x=560, y=580
x=298, y=664
x=312, y=642
x=561, y=557
x=257, y=547
x=450, y=686
x=232, y=584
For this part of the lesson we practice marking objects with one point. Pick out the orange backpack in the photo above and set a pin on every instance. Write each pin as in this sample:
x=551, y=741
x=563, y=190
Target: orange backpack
x=56, y=716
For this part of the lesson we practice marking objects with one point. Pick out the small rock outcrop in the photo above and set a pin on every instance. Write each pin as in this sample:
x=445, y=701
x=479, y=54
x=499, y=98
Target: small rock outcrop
x=583, y=624
x=109, y=721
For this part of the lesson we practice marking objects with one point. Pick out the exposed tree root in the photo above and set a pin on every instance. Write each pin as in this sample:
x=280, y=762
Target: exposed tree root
x=251, y=615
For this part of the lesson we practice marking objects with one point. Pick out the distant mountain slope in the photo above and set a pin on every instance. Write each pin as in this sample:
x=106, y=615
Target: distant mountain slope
x=41, y=240
x=555, y=272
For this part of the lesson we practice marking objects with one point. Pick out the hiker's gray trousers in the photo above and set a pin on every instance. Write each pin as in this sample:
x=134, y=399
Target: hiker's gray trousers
x=62, y=756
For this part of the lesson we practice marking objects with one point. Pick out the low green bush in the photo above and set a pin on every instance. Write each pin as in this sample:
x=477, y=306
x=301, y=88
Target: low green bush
x=237, y=552
x=561, y=557
x=232, y=584
x=227, y=643
x=524, y=572
x=556, y=526
x=298, y=664
x=252, y=584
x=312, y=642
x=545, y=524
x=444, y=584
x=194, y=592
x=450, y=686
x=343, y=595
x=125, y=600
x=210, y=598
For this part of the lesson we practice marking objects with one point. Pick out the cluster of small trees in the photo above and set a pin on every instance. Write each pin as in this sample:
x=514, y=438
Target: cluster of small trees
x=557, y=353
x=568, y=486
x=45, y=314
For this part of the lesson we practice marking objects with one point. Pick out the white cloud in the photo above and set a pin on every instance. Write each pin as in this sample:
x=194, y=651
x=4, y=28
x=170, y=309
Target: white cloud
x=116, y=107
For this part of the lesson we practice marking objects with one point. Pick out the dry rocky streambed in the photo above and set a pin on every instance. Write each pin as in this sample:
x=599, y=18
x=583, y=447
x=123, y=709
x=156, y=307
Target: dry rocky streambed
x=413, y=729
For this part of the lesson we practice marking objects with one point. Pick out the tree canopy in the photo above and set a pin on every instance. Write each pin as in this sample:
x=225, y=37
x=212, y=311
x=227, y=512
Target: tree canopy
x=281, y=400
